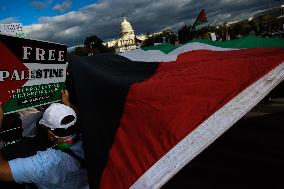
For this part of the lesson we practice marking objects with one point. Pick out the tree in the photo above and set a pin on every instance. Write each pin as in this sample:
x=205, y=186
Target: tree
x=166, y=36
x=243, y=28
x=93, y=42
x=81, y=51
x=202, y=33
x=169, y=36
x=95, y=45
x=185, y=34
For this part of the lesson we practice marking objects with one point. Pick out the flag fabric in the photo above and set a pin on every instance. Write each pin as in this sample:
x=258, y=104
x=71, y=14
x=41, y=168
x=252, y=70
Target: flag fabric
x=201, y=19
x=146, y=114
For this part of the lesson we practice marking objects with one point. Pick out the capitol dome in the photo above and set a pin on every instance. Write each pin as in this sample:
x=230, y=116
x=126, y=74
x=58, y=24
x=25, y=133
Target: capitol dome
x=127, y=40
x=126, y=30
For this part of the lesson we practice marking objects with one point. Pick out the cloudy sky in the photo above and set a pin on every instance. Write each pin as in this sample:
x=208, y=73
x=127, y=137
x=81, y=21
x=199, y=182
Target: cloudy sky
x=71, y=21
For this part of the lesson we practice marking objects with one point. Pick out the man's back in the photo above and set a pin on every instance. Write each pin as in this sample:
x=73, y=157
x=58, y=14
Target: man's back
x=51, y=169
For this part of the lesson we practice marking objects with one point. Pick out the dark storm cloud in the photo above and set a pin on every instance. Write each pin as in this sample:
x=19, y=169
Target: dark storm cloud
x=103, y=18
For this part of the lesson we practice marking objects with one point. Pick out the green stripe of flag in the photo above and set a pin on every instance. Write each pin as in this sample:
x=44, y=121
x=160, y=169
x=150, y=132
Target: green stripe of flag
x=246, y=42
x=166, y=48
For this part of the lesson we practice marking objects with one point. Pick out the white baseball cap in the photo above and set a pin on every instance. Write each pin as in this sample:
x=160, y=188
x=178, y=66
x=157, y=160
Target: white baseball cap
x=55, y=113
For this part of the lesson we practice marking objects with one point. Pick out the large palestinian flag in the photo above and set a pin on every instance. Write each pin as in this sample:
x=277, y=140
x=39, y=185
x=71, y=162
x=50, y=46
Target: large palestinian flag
x=146, y=114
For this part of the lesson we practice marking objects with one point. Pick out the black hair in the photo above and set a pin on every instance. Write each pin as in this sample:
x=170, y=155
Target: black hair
x=62, y=132
x=69, y=85
x=67, y=119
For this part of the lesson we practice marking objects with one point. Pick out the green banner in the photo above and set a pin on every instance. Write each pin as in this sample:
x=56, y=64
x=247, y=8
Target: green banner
x=34, y=96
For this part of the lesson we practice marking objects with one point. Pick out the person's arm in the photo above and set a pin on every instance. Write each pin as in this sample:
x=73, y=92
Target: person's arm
x=1, y=115
x=5, y=171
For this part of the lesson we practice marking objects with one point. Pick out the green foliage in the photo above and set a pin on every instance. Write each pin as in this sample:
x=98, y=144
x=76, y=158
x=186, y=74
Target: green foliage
x=81, y=51
x=93, y=42
x=243, y=28
x=185, y=34
x=202, y=33
x=92, y=45
x=95, y=45
x=166, y=36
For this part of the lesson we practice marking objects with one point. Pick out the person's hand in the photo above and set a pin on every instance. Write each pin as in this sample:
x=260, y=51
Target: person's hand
x=1, y=114
x=65, y=97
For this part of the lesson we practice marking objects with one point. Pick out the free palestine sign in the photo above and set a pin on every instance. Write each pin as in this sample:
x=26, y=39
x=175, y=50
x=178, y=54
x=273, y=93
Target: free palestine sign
x=32, y=73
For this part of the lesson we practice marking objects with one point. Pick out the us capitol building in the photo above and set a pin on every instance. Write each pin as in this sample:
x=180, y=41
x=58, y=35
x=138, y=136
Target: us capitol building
x=128, y=40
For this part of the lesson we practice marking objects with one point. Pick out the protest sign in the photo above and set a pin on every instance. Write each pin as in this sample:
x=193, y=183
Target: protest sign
x=32, y=73
x=14, y=29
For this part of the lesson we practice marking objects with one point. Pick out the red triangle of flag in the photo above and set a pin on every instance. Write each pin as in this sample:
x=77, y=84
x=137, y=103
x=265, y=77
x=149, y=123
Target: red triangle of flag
x=202, y=16
x=8, y=63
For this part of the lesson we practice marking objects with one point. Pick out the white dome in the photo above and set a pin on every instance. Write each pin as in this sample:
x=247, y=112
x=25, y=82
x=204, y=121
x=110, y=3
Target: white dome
x=125, y=28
